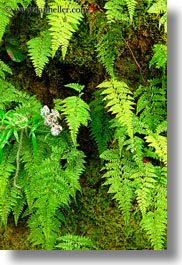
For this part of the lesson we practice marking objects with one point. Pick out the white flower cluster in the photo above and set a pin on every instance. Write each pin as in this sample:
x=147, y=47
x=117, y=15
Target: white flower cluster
x=50, y=119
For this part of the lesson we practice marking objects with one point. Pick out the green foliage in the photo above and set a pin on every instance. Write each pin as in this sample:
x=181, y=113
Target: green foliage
x=40, y=3
x=159, y=143
x=63, y=24
x=107, y=47
x=39, y=50
x=119, y=102
x=151, y=104
x=119, y=182
x=100, y=123
x=135, y=167
x=40, y=167
x=75, y=110
x=39, y=172
x=160, y=7
x=5, y=14
x=160, y=56
x=4, y=68
x=155, y=222
x=115, y=10
x=131, y=5
x=72, y=242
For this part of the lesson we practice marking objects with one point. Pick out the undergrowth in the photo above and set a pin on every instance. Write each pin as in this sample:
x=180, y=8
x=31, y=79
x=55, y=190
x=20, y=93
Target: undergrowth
x=41, y=161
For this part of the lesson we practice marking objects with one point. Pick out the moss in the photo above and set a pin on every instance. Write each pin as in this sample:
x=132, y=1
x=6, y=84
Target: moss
x=15, y=237
x=96, y=216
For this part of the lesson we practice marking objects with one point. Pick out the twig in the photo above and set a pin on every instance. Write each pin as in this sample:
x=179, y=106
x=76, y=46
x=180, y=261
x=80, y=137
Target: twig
x=18, y=161
x=138, y=65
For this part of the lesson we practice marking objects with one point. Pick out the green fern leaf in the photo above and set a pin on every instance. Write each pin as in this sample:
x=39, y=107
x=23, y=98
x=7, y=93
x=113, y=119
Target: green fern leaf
x=63, y=24
x=118, y=180
x=4, y=68
x=115, y=11
x=100, y=123
x=73, y=242
x=107, y=47
x=76, y=113
x=39, y=50
x=145, y=180
x=40, y=3
x=75, y=86
x=160, y=7
x=155, y=222
x=131, y=5
x=119, y=102
x=159, y=143
x=160, y=56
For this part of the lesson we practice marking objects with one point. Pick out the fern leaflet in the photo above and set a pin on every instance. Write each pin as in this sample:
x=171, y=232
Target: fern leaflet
x=63, y=24
x=39, y=50
x=119, y=102
x=76, y=113
x=73, y=242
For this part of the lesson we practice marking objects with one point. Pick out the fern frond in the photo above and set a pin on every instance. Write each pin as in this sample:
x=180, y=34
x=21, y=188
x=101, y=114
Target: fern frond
x=76, y=113
x=39, y=49
x=5, y=17
x=50, y=180
x=160, y=56
x=40, y=4
x=155, y=222
x=118, y=179
x=119, y=102
x=151, y=104
x=100, y=124
x=73, y=242
x=107, y=47
x=160, y=7
x=4, y=68
x=159, y=143
x=9, y=195
x=63, y=24
x=145, y=180
x=115, y=11
x=75, y=86
x=131, y=5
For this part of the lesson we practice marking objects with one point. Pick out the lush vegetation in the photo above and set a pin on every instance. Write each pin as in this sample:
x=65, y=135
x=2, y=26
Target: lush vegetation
x=98, y=136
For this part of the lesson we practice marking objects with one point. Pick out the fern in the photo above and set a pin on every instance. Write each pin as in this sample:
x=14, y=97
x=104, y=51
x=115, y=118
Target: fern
x=40, y=4
x=145, y=181
x=63, y=24
x=131, y=5
x=151, y=104
x=4, y=68
x=160, y=56
x=115, y=11
x=39, y=50
x=119, y=102
x=76, y=112
x=107, y=47
x=5, y=15
x=73, y=242
x=160, y=7
x=100, y=123
x=159, y=143
x=154, y=222
x=119, y=182
x=49, y=187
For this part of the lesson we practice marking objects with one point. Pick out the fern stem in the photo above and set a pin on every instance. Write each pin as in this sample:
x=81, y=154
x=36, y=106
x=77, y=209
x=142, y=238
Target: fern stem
x=18, y=161
x=138, y=65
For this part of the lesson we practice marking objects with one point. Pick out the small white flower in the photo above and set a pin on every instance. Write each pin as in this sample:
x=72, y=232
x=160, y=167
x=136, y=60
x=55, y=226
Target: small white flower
x=45, y=111
x=56, y=129
x=49, y=121
x=54, y=114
